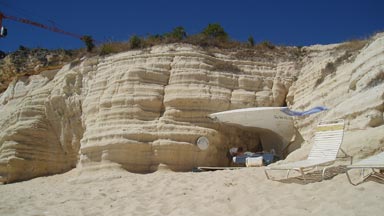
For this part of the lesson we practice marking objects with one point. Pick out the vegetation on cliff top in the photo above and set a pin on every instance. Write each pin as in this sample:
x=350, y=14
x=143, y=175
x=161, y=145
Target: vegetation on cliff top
x=26, y=62
x=213, y=39
x=213, y=36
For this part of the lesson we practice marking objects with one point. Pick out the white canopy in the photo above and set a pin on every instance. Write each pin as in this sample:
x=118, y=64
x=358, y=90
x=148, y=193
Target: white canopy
x=267, y=118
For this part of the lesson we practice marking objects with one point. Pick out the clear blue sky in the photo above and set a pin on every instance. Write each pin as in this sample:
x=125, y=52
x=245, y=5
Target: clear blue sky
x=285, y=22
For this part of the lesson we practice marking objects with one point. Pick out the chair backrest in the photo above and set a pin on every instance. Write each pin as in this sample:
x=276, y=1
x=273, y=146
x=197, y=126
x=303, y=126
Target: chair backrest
x=328, y=139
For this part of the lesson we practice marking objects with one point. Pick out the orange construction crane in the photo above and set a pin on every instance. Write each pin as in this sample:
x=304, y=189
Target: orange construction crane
x=3, y=31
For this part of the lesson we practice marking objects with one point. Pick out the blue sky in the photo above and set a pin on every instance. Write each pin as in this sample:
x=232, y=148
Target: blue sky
x=284, y=22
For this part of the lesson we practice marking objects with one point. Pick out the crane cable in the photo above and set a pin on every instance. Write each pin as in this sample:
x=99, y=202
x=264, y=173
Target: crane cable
x=51, y=28
x=88, y=40
x=18, y=11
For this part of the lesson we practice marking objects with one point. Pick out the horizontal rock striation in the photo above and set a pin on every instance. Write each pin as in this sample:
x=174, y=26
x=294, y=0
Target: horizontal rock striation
x=40, y=128
x=348, y=79
x=145, y=109
x=140, y=109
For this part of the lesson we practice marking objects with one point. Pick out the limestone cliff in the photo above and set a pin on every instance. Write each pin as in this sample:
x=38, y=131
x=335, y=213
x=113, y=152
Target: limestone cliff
x=145, y=108
x=349, y=79
x=138, y=109
x=26, y=62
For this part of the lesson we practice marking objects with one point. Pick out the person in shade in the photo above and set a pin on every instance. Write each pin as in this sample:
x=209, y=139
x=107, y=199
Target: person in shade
x=233, y=152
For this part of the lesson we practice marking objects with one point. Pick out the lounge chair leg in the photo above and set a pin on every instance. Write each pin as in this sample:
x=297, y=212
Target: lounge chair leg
x=302, y=174
x=349, y=179
x=288, y=171
x=323, y=173
x=347, y=155
x=363, y=178
x=378, y=175
x=266, y=173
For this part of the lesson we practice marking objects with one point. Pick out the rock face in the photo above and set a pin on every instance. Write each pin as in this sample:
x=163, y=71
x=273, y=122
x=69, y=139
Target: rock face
x=139, y=109
x=28, y=62
x=41, y=126
x=145, y=109
x=349, y=79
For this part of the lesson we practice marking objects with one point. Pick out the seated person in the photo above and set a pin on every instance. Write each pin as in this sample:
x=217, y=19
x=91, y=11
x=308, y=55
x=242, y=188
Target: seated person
x=233, y=152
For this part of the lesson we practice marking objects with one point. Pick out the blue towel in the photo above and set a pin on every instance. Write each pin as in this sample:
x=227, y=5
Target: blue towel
x=241, y=158
x=308, y=112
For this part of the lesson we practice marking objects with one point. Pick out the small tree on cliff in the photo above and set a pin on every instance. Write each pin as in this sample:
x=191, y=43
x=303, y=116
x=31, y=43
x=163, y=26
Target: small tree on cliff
x=178, y=33
x=88, y=42
x=251, y=41
x=135, y=42
x=215, y=31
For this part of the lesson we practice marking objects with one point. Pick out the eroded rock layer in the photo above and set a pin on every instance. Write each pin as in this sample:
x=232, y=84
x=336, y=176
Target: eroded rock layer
x=40, y=126
x=144, y=109
x=139, y=109
x=347, y=78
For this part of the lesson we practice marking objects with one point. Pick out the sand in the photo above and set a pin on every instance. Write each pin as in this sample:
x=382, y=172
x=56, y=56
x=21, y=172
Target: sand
x=113, y=191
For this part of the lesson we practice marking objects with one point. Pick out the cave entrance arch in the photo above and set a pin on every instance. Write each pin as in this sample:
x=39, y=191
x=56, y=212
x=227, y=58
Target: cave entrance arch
x=275, y=128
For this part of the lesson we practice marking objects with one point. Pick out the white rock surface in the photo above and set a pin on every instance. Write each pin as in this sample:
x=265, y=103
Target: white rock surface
x=139, y=109
x=144, y=109
x=354, y=91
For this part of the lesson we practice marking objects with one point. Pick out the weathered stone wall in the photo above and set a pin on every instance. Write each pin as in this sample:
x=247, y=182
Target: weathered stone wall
x=40, y=126
x=25, y=61
x=145, y=108
x=350, y=82
x=138, y=109
x=148, y=108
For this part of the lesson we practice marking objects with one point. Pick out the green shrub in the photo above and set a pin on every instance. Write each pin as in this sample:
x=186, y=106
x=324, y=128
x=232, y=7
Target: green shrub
x=153, y=40
x=108, y=49
x=267, y=44
x=135, y=42
x=23, y=48
x=113, y=47
x=352, y=45
x=178, y=33
x=251, y=41
x=88, y=42
x=215, y=31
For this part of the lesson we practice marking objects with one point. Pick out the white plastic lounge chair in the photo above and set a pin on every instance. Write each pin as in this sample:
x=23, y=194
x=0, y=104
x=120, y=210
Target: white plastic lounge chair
x=372, y=163
x=327, y=142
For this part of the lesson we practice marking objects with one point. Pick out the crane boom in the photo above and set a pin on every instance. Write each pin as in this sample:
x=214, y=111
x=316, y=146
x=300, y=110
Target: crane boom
x=26, y=21
x=50, y=28
x=89, y=42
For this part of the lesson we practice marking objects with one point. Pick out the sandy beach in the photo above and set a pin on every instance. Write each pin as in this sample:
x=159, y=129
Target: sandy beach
x=113, y=191
x=113, y=116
